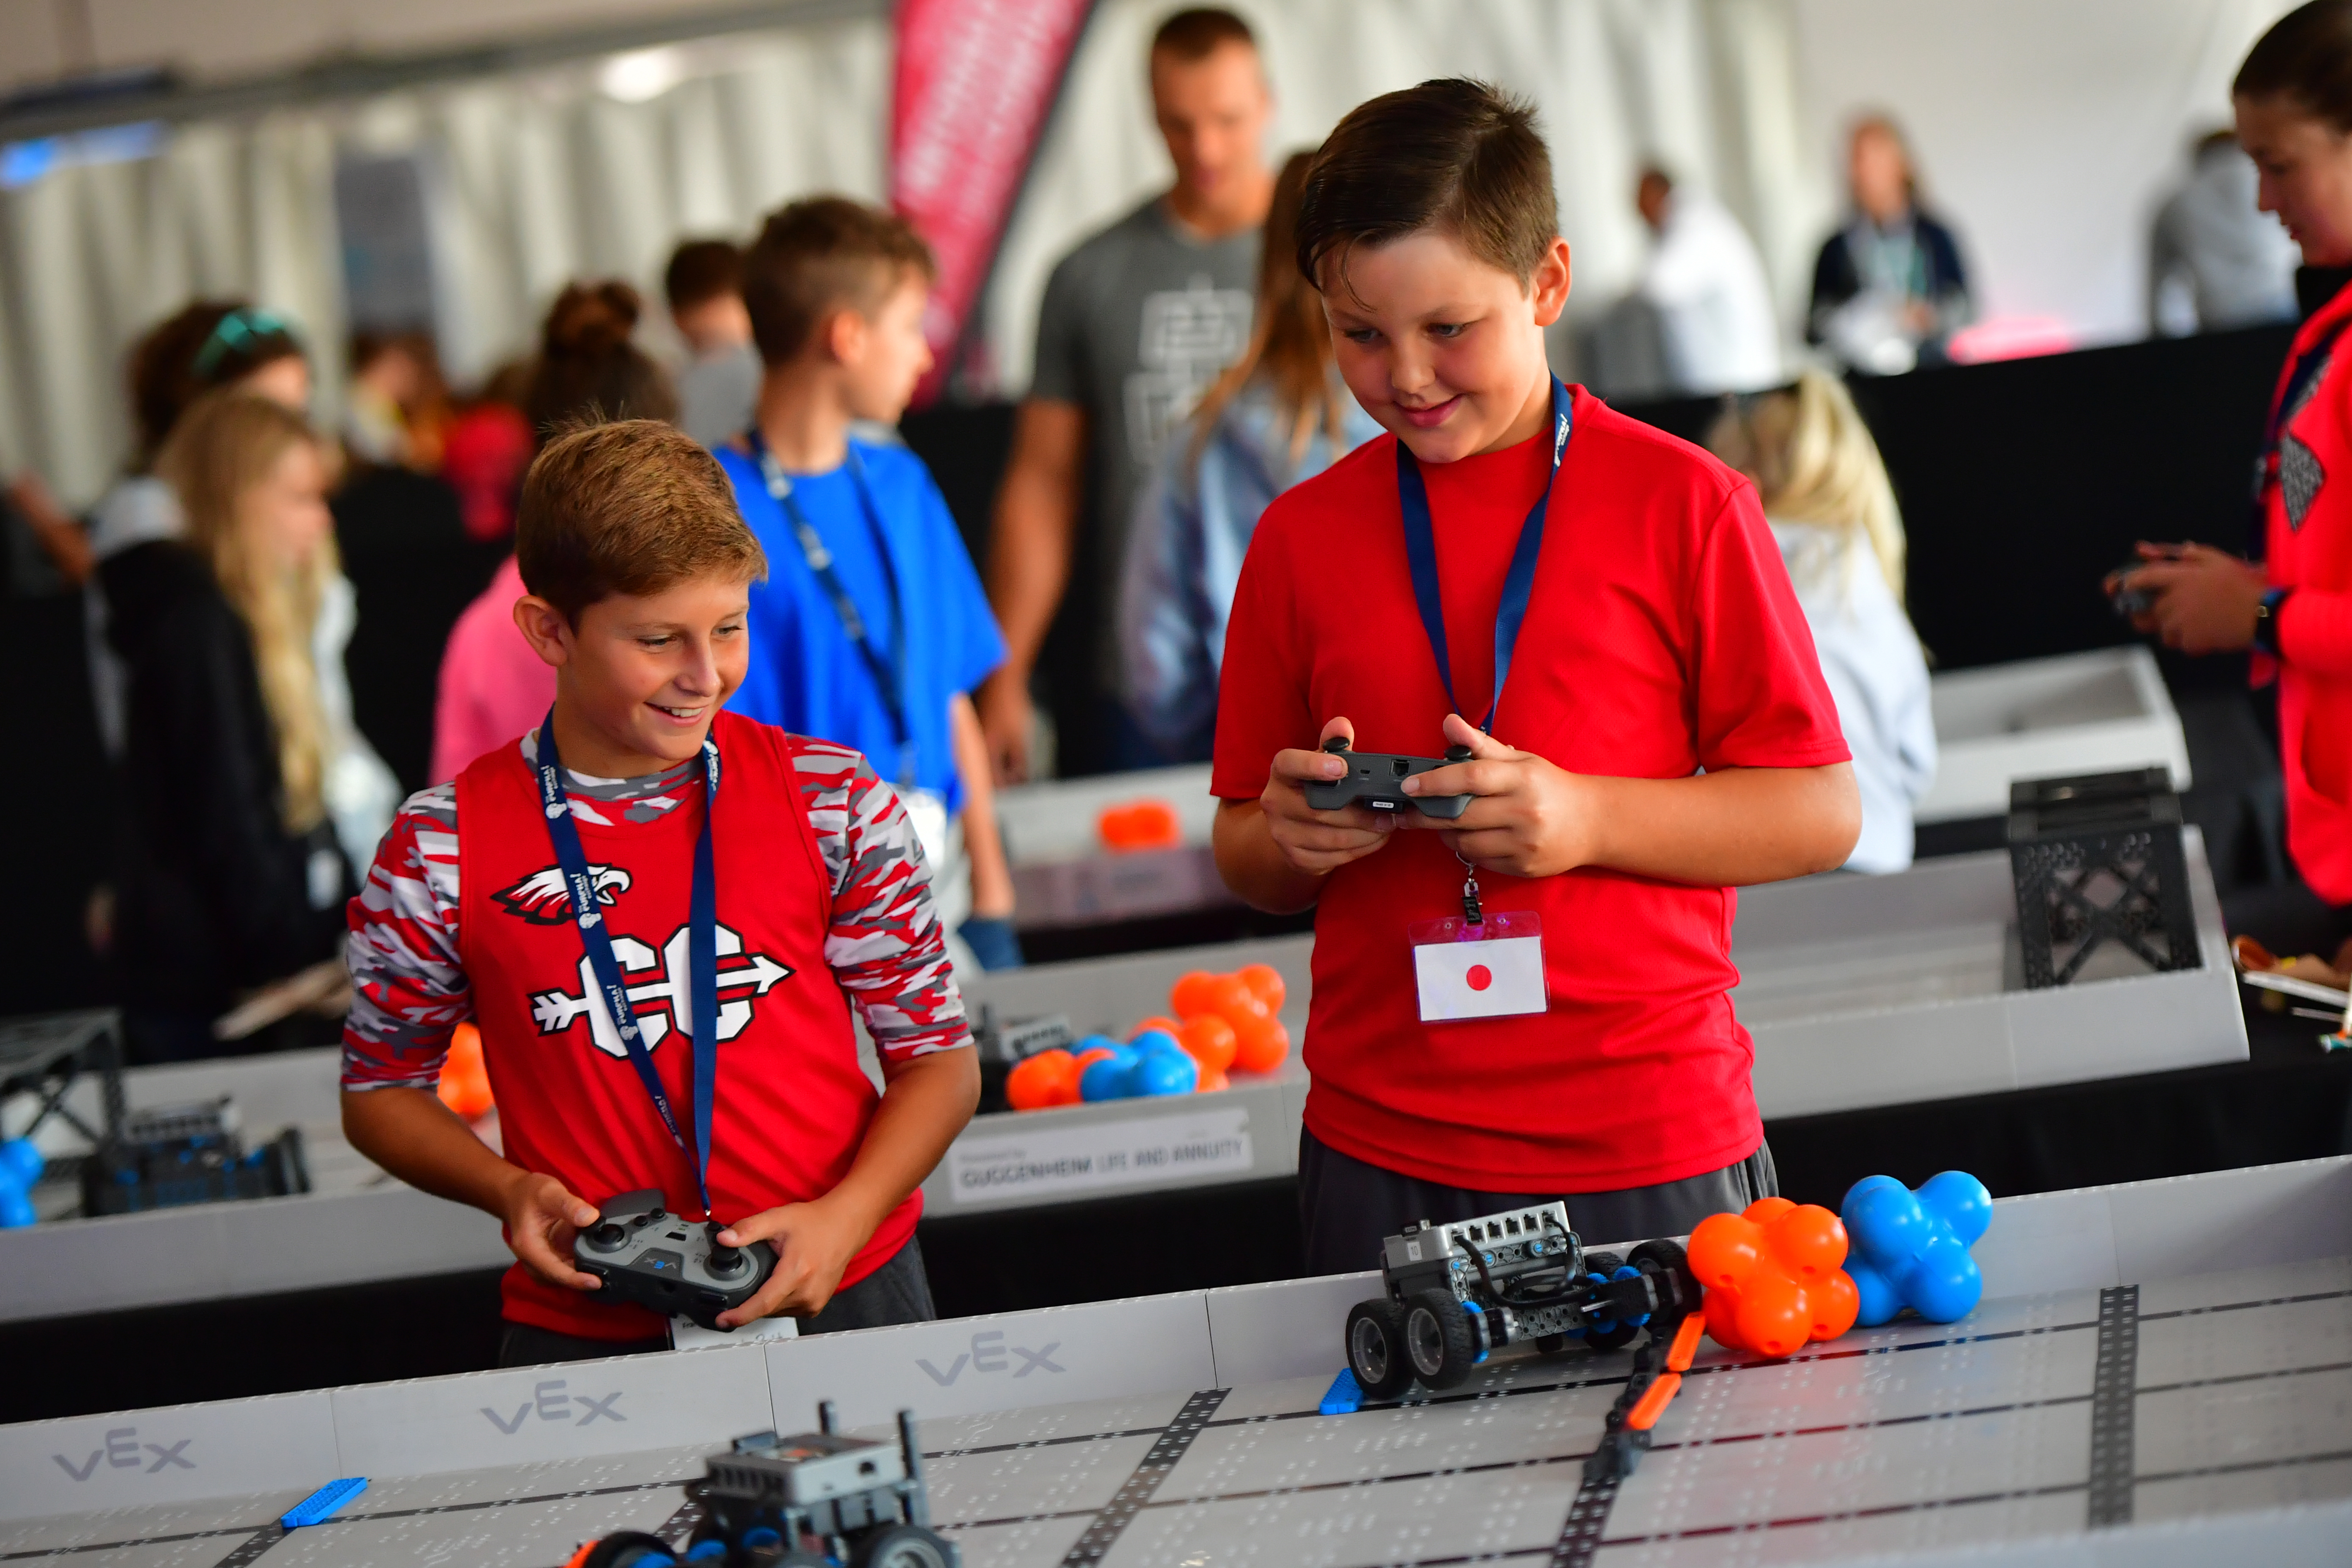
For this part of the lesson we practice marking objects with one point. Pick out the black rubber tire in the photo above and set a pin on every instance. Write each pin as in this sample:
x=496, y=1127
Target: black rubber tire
x=1438, y=1339
x=1376, y=1349
x=630, y=1549
x=1668, y=1258
x=904, y=1546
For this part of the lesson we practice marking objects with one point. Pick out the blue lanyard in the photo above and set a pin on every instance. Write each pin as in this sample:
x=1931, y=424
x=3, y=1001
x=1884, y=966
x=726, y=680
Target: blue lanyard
x=888, y=670
x=1518, y=585
x=699, y=1018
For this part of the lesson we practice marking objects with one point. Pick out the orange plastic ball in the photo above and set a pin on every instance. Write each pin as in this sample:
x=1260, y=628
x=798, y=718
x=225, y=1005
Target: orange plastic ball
x=1764, y=1211
x=1211, y=1040
x=1807, y=1241
x=465, y=1086
x=1049, y=1078
x=1149, y=823
x=1260, y=1044
x=1723, y=1319
x=1211, y=1082
x=1164, y=1024
x=1774, y=1316
x=1837, y=1304
x=1265, y=984
x=1230, y=998
x=1724, y=1249
x=1085, y=1059
x=1192, y=994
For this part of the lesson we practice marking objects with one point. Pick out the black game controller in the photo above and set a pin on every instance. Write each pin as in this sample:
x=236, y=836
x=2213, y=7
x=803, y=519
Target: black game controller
x=1377, y=779
x=650, y=1258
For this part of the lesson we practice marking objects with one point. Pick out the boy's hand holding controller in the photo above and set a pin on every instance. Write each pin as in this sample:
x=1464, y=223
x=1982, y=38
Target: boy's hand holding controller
x=1526, y=817
x=814, y=1242
x=541, y=1218
x=1319, y=842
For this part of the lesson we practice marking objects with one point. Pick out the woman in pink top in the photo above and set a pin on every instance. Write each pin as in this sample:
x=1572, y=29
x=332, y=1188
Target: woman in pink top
x=493, y=686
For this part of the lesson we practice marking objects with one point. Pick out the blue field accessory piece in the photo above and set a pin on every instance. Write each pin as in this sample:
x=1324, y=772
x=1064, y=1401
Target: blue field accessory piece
x=321, y=1504
x=1170, y=1071
x=708, y=1552
x=20, y=1167
x=1344, y=1397
x=1911, y=1248
x=1156, y=1040
x=1112, y=1077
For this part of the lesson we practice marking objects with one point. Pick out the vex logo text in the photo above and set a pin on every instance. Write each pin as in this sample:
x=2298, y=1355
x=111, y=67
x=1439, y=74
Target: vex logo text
x=549, y=1402
x=124, y=1451
x=990, y=1353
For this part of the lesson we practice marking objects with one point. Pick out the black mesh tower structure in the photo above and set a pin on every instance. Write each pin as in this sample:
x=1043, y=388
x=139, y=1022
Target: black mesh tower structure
x=2097, y=859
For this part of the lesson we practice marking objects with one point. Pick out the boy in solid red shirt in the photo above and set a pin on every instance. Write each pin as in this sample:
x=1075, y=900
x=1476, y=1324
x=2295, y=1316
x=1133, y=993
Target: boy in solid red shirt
x=782, y=899
x=1527, y=1002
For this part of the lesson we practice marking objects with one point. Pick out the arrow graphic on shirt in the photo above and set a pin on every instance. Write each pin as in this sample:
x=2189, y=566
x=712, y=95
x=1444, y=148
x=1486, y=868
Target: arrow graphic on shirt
x=740, y=986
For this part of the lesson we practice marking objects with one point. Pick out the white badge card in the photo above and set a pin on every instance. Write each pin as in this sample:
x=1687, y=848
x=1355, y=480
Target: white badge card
x=1492, y=969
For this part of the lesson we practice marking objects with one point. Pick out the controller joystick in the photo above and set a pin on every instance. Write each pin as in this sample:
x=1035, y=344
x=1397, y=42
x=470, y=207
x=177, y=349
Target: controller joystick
x=1377, y=778
x=675, y=1268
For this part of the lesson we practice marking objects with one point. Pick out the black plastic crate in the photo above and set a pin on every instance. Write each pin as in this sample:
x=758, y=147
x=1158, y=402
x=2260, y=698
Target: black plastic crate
x=2097, y=862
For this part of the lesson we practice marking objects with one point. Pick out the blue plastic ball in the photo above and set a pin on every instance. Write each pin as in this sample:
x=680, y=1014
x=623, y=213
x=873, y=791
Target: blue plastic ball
x=15, y=1209
x=1166, y=1072
x=1156, y=1040
x=20, y=1163
x=1109, y=1079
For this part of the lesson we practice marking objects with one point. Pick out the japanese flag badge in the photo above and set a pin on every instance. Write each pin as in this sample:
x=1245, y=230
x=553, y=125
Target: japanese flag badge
x=1491, y=969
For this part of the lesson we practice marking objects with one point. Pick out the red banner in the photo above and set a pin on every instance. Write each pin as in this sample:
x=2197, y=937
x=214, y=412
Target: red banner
x=974, y=82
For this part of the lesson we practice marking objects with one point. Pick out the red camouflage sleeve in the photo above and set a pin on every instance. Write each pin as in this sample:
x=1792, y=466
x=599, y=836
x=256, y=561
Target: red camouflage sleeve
x=409, y=988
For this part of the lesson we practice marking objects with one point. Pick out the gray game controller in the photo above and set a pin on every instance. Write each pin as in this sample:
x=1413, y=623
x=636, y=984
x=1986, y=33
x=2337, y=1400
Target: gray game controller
x=1377, y=779
x=651, y=1257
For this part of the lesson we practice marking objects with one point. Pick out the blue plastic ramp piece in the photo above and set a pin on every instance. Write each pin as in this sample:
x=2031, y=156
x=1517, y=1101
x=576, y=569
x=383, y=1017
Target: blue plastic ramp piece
x=1344, y=1397
x=321, y=1505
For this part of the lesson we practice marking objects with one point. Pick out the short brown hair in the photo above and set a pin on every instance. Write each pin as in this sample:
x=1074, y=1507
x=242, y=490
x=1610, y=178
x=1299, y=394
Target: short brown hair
x=823, y=255
x=2306, y=58
x=207, y=344
x=1454, y=155
x=701, y=270
x=630, y=506
x=1198, y=31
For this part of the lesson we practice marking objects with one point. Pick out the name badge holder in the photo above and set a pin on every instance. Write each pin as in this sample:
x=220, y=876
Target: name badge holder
x=1476, y=964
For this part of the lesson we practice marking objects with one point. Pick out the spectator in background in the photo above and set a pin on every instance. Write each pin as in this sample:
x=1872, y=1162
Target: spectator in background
x=229, y=876
x=397, y=405
x=1280, y=416
x=720, y=381
x=1137, y=322
x=1706, y=283
x=1833, y=511
x=486, y=451
x=493, y=685
x=2215, y=260
x=1889, y=288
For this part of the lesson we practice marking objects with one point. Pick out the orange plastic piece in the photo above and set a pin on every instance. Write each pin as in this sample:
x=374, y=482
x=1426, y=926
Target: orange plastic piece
x=1653, y=1402
x=1261, y=1044
x=1211, y=1082
x=465, y=1086
x=1165, y=1026
x=1773, y=1278
x=1685, y=1345
x=1230, y=998
x=1194, y=994
x=1147, y=824
x=1085, y=1059
x=1049, y=1078
x=1265, y=984
x=1211, y=1040
x=580, y=1558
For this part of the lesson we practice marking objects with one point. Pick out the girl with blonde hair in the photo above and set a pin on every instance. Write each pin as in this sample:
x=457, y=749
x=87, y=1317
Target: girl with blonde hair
x=231, y=876
x=1826, y=494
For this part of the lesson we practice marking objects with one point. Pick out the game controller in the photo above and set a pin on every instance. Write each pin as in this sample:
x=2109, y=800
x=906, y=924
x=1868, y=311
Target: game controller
x=651, y=1257
x=2129, y=601
x=1377, y=779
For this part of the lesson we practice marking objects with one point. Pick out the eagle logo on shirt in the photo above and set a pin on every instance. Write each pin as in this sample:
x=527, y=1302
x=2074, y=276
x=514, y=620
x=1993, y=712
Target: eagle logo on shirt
x=543, y=900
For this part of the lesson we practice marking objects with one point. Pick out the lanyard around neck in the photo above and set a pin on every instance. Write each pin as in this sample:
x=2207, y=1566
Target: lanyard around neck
x=698, y=1018
x=888, y=669
x=1518, y=584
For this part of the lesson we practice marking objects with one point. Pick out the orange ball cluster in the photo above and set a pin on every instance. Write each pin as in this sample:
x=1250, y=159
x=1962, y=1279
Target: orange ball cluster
x=465, y=1086
x=1773, y=1277
x=1147, y=824
x=1247, y=1003
x=1223, y=1021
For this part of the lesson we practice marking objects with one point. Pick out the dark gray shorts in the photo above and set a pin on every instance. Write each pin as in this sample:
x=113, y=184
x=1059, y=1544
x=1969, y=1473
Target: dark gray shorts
x=898, y=1293
x=1346, y=1206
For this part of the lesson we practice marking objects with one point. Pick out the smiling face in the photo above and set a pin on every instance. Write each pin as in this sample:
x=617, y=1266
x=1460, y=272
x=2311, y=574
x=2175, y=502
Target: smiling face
x=641, y=676
x=1445, y=350
x=2305, y=168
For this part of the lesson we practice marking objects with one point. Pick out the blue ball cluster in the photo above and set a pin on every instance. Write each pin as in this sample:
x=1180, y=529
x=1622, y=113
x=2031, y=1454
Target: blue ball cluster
x=1911, y=1248
x=1151, y=1064
x=20, y=1167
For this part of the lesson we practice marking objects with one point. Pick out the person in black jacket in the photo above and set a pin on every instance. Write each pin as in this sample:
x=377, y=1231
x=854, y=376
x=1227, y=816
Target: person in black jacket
x=1889, y=288
x=230, y=877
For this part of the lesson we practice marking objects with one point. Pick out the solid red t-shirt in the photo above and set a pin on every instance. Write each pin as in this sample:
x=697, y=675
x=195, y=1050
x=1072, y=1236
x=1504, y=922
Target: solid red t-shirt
x=1662, y=637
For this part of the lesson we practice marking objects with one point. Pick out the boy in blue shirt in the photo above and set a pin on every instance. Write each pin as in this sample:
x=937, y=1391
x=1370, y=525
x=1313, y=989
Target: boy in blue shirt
x=871, y=629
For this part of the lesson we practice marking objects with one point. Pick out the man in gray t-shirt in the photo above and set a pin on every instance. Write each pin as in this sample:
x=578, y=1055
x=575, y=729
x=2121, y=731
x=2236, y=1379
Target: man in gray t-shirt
x=1136, y=321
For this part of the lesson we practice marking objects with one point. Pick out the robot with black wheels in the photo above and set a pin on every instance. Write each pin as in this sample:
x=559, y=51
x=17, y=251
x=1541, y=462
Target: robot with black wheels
x=1454, y=1294
x=821, y=1499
